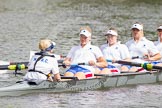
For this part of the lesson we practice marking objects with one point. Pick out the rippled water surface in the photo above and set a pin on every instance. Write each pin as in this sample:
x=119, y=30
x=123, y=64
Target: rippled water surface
x=24, y=22
x=142, y=96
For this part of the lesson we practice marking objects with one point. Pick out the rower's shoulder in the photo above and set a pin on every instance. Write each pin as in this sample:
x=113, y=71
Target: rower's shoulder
x=129, y=42
x=103, y=46
x=94, y=47
x=75, y=47
x=122, y=45
x=156, y=42
x=149, y=42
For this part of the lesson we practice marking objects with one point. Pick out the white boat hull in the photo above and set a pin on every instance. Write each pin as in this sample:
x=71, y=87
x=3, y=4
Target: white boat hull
x=106, y=81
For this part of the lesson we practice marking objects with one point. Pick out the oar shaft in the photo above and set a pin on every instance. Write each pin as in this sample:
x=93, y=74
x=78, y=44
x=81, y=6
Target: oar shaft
x=13, y=67
x=147, y=66
x=128, y=63
x=11, y=63
x=68, y=77
x=23, y=65
x=79, y=64
x=72, y=65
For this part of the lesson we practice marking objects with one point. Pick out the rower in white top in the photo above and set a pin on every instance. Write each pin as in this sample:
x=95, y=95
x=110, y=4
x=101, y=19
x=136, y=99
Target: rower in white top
x=158, y=43
x=140, y=48
x=114, y=50
x=43, y=64
x=84, y=53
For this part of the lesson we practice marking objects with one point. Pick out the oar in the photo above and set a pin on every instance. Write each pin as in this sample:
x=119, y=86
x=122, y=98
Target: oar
x=68, y=77
x=16, y=67
x=147, y=66
x=13, y=67
x=20, y=66
x=3, y=63
x=11, y=63
x=64, y=65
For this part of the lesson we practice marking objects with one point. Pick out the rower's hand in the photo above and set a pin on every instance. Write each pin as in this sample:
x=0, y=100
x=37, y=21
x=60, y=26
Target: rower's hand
x=147, y=57
x=50, y=79
x=57, y=77
x=67, y=63
x=113, y=60
x=92, y=63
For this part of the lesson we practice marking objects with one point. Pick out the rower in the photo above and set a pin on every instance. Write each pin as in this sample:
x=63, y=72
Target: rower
x=113, y=50
x=141, y=47
x=84, y=53
x=43, y=63
x=158, y=44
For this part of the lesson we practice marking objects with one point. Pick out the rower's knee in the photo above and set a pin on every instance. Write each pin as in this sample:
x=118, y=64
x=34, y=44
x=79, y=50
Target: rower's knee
x=124, y=68
x=133, y=69
x=69, y=74
x=106, y=71
x=159, y=64
x=80, y=75
x=97, y=71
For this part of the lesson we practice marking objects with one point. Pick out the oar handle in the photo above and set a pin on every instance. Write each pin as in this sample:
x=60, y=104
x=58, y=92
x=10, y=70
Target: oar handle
x=79, y=64
x=72, y=65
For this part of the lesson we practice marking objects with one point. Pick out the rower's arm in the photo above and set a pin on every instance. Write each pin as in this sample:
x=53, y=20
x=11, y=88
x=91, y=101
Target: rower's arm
x=155, y=57
x=67, y=61
x=127, y=59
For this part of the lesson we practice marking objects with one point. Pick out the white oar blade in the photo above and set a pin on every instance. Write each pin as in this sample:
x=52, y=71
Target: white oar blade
x=4, y=62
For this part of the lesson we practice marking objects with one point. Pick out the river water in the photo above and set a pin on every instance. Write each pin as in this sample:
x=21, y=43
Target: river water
x=24, y=22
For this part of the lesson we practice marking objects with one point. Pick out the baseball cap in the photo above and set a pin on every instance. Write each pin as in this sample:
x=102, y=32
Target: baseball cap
x=111, y=32
x=137, y=26
x=85, y=33
x=160, y=27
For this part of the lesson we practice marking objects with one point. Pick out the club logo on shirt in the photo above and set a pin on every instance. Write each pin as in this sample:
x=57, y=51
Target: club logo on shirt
x=44, y=60
x=116, y=48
